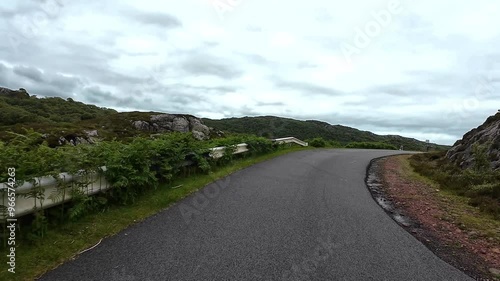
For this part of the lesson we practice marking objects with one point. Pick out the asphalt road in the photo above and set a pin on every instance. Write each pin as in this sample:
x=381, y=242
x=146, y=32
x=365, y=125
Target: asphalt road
x=303, y=216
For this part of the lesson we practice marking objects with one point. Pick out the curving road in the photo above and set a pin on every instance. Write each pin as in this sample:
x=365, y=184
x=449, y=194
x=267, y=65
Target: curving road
x=302, y=216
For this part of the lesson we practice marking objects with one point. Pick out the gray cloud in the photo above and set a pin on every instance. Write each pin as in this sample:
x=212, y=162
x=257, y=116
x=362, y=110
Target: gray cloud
x=418, y=77
x=65, y=83
x=257, y=59
x=29, y=72
x=96, y=95
x=305, y=88
x=270, y=104
x=3, y=68
x=38, y=82
x=202, y=64
x=159, y=19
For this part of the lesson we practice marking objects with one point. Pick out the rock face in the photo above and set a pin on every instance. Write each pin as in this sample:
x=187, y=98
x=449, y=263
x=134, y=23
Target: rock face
x=21, y=93
x=174, y=123
x=90, y=137
x=488, y=135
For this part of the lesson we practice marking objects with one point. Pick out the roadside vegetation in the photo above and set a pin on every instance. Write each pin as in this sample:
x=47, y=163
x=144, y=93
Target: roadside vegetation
x=447, y=219
x=147, y=175
x=132, y=169
x=371, y=145
x=320, y=142
x=480, y=185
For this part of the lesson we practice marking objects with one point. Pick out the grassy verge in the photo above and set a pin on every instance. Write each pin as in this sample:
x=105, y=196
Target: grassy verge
x=456, y=207
x=479, y=183
x=65, y=241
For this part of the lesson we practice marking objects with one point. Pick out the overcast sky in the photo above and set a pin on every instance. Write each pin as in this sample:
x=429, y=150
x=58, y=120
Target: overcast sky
x=422, y=69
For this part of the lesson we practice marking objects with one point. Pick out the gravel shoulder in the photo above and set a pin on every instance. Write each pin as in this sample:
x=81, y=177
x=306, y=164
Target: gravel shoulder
x=456, y=232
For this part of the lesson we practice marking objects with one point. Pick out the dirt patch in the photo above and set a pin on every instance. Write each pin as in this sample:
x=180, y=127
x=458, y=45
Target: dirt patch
x=429, y=216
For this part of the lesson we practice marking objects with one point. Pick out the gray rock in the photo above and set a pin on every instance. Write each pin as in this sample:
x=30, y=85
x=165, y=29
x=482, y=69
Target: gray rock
x=141, y=125
x=488, y=135
x=199, y=135
x=91, y=133
x=21, y=93
x=161, y=123
x=180, y=124
x=196, y=125
x=61, y=141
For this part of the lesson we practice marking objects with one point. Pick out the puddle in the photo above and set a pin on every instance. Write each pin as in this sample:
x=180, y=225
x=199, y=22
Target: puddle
x=374, y=184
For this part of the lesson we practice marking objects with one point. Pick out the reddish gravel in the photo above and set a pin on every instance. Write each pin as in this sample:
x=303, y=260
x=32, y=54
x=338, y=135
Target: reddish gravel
x=465, y=249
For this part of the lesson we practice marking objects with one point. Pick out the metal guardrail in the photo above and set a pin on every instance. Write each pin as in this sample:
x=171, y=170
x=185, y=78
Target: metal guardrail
x=291, y=140
x=96, y=183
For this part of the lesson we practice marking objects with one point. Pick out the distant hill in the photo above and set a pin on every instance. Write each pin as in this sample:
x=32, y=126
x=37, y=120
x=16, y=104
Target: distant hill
x=18, y=107
x=271, y=126
x=66, y=120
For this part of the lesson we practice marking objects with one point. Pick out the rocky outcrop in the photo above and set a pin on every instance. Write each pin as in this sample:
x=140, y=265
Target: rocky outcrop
x=487, y=135
x=89, y=137
x=21, y=93
x=162, y=123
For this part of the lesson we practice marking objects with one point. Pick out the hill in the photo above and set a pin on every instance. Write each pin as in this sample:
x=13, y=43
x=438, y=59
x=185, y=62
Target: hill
x=271, y=127
x=61, y=121
x=485, y=140
x=18, y=107
x=66, y=120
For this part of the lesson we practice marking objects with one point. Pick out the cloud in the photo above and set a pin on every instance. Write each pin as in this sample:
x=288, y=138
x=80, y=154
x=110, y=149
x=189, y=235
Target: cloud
x=306, y=88
x=96, y=95
x=426, y=74
x=29, y=72
x=203, y=64
x=158, y=19
x=257, y=59
x=278, y=103
x=65, y=83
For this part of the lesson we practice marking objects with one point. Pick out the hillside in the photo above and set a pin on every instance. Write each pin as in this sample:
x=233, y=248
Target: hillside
x=271, y=126
x=487, y=136
x=61, y=121
x=18, y=107
x=67, y=120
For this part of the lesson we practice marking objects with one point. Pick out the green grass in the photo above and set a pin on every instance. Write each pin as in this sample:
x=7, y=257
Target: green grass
x=63, y=242
x=480, y=184
x=457, y=208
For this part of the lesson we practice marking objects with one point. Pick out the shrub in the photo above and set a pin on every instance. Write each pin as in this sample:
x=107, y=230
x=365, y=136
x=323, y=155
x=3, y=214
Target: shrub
x=480, y=184
x=132, y=168
x=333, y=143
x=371, y=145
x=317, y=142
x=260, y=145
